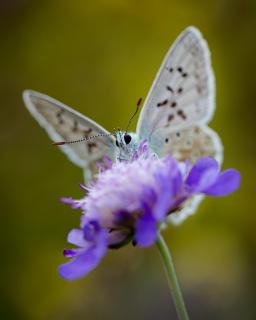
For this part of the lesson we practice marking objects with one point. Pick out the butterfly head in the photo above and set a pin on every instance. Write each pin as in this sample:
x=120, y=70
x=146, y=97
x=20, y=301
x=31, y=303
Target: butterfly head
x=126, y=143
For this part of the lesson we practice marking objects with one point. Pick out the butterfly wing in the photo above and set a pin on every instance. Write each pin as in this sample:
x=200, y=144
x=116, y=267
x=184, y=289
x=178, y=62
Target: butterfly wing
x=180, y=103
x=190, y=143
x=64, y=123
x=183, y=91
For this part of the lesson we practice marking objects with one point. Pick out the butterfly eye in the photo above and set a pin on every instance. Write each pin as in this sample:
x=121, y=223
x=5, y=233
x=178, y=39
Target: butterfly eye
x=127, y=138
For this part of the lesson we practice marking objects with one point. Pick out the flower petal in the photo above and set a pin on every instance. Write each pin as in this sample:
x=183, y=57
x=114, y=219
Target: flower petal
x=202, y=175
x=149, y=195
x=86, y=261
x=90, y=230
x=69, y=253
x=169, y=182
x=173, y=175
x=75, y=204
x=118, y=238
x=163, y=205
x=227, y=182
x=76, y=237
x=146, y=230
x=107, y=161
x=82, y=186
x=123, y=218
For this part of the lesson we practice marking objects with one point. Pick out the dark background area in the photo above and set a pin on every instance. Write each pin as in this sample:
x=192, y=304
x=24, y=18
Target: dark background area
x=99, y=57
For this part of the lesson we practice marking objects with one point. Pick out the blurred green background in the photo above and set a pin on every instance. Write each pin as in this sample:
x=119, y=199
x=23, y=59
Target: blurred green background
x=99, y=57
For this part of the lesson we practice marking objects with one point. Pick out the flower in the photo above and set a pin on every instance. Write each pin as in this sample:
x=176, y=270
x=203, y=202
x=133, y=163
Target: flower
x=129, y=200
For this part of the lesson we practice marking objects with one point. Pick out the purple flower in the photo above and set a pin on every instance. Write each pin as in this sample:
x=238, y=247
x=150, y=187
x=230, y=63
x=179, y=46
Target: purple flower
x=92, y=245
x=128, y=201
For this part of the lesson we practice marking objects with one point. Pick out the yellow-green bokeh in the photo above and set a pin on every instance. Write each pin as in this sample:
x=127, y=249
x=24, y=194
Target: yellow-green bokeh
x=99, y=57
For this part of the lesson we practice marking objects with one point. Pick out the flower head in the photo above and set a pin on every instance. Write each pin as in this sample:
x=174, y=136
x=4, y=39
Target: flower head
x=128, y=201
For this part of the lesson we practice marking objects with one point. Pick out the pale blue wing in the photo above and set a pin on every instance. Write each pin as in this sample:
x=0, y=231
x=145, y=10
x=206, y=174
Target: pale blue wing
x=182, y=94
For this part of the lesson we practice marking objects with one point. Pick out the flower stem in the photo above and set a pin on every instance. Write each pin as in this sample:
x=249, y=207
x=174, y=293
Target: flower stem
x=172, y=278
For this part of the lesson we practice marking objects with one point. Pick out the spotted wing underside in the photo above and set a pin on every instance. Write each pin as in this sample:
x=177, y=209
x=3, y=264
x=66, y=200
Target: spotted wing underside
x=64, y=123
x=180, y=103
x=183, y=91
x=191, y=143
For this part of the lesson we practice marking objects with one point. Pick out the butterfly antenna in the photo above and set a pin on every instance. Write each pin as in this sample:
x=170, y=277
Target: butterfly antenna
x=60, y=143
x=136, y=111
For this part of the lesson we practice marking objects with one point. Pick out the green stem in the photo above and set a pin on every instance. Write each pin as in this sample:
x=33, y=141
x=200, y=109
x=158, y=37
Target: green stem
x=172, y=278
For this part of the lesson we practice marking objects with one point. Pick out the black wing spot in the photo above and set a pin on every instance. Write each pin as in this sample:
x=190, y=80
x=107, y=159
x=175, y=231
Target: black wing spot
x=182, y=114
x=166, y=140
x=91, y=145
x=180, y=90
x=163, y=103
x=184, y=75
x=170, y=117
x=58, y=115
x=173, y=104
x=177, y=134
x=87, y=132
x=180, y=69
x=171, y=69
x=169, y=89
x=75, y=126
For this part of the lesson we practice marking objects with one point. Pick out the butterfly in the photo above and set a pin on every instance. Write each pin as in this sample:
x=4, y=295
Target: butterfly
x=173, y=119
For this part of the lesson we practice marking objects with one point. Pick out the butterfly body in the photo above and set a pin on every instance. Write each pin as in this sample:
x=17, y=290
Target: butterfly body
x=174, y=118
